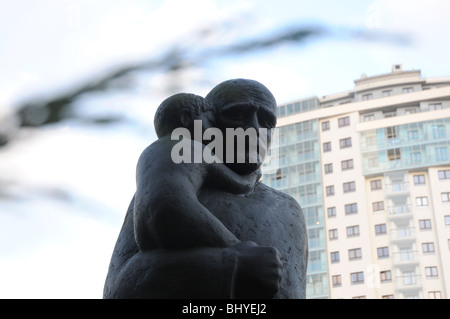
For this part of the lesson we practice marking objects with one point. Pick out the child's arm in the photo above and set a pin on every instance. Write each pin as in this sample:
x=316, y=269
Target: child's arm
x=167, y=212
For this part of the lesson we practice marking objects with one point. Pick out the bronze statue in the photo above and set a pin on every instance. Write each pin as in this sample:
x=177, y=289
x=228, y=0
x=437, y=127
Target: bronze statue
x=209, y=229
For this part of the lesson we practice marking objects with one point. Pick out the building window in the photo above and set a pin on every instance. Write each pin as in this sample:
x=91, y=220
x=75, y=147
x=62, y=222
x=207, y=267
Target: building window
x=413, y=135
x=357, y=278
x=389, y=114
x=308, y=150
x=345, y=142
x=419, y=179
x=333, y=234
x=282, y=139
x=349, y=187
x=336, y=280
x=378, y=206
x=409, y=278
x=330, y=190
x=331, y=211
x=283, y=160
x=334, y=256
x=351, y=209
x=386, y=93
x=371, y=140
x=328, y=168
x=431, y=272
x=425, y=224
x=353, y=231
x=394, y=156
x=434, y=295
x=383, y=252
x=373, y=162
x=445, y=197
x=354, y=254
x=447, y=220
x=408, y=90
x=369, y=117
x=398, y=186
x=438, y=131
x=327, y=147
x=290, y=109
x=391, y=132
x=380, y=229
x=344, y=121
x=435, y=106
x=376, y=184
x=428, y=248
x=278, y=175
x=385, y=276
x=325, y=126
x=422, y=201
x=416, y=157
x=441, y=153
x=367, y=96
x=444, y=174
x=347, y=164
x=387, y=297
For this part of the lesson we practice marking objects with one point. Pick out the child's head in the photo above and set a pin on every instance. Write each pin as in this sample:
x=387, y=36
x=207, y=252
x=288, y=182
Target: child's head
x=180, y=110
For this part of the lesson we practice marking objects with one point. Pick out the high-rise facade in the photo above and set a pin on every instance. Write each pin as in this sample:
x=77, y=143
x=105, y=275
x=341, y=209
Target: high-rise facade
x=371, y=169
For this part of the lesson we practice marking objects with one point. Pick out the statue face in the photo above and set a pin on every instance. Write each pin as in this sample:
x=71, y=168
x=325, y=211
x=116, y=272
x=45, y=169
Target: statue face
x=245, y=110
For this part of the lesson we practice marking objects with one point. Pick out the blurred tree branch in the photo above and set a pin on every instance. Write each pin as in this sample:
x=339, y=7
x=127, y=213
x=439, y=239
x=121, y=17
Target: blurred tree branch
x=39, y=112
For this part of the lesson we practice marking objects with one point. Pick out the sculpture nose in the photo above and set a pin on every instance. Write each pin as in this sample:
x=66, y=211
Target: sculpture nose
x=252, y=121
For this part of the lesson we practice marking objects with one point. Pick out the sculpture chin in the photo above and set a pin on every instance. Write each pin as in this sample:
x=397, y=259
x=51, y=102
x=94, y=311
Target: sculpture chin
x=252, y=164
x=244, y=168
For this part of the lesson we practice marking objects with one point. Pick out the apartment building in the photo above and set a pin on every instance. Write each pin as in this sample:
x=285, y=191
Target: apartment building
x=371, y=169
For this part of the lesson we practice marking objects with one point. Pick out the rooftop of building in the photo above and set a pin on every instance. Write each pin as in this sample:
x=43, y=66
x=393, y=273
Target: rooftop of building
x=396, y=77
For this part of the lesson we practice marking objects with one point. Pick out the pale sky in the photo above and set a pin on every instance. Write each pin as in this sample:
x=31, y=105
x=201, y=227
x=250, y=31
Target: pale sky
x=69, y=185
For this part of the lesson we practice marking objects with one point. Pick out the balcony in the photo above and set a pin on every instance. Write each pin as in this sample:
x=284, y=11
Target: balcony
x=408, y=283
x=393, y=141
x=406, y=258
x=397, y=189
x=402, y=235
x=399, y=212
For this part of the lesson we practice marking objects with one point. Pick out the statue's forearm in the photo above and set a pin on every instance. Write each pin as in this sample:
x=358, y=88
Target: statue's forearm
x=194, y=273
x=179, y=221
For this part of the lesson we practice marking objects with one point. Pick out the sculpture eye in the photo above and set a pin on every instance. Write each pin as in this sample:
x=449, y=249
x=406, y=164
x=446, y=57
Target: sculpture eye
x=266, y=119
x=237, y=113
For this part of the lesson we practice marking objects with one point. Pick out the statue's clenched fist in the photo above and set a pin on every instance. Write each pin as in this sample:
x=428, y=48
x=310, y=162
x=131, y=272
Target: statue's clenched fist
x=259, y=271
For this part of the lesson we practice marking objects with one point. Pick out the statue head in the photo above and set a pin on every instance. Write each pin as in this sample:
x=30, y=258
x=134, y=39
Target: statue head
x=180, y=110
x=242, y=103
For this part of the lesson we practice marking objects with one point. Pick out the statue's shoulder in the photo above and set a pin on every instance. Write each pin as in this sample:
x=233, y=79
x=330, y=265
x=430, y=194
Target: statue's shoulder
x=165, y=148
x=286, y=209
x=159, y=145
x=159, y=151
x=283, y=200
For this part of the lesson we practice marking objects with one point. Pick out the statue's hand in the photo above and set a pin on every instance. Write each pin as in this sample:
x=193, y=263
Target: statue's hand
x=258, y=271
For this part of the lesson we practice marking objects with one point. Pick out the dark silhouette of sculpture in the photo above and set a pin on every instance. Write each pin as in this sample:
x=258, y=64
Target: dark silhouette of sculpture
x=158, y=222
x=198, y=230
